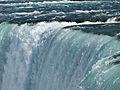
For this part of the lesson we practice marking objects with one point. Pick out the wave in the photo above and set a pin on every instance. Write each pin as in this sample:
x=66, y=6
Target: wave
x=62, y=11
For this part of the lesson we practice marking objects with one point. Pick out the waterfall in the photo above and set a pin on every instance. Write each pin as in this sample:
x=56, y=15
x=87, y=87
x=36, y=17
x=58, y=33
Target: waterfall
x=47, y=56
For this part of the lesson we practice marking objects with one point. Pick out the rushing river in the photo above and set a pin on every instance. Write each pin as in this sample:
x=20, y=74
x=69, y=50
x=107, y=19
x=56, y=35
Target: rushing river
x=60, y=45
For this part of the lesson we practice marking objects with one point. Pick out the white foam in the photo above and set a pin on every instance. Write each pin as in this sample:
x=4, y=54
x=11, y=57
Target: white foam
x=87, y=11
x=27, y=13
x=112, y=20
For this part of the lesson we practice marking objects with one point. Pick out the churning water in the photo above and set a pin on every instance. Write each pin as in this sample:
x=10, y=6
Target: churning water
x=60, y=45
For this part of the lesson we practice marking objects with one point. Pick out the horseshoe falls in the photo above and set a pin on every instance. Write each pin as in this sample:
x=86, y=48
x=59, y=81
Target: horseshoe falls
x=59, y=45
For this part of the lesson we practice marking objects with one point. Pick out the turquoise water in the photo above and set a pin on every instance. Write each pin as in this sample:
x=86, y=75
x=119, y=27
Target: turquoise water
x=59, y=45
